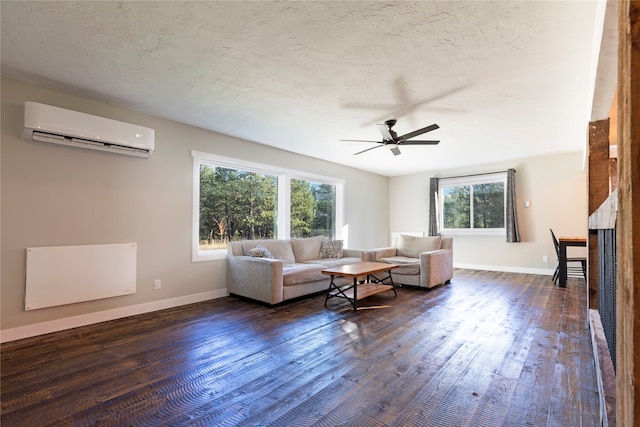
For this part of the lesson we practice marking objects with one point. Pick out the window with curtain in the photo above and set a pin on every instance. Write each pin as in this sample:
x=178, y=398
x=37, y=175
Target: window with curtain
x=474, y=204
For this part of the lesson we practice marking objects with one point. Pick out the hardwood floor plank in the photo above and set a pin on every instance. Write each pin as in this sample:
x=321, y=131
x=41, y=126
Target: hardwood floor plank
x=493, y=406
x=466, y=375
x=489, y=349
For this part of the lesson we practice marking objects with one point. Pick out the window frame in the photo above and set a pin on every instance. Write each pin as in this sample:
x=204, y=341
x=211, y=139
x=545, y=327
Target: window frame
x=471, y=180
x=284, y=177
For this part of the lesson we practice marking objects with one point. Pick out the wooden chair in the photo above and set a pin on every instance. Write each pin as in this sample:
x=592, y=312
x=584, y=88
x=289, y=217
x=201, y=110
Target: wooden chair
x=572, y=270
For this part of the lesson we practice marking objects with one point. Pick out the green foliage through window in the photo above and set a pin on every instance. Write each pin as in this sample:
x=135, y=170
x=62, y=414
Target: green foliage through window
x=488, y=205
x=313, y=208
x=240, y=200
x=236, y=205
x=457, y=207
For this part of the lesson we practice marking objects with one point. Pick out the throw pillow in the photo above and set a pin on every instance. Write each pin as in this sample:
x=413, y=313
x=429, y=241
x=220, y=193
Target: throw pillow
x=260, y=252
x=331, y=248
x=306, y=248
x=412, y=246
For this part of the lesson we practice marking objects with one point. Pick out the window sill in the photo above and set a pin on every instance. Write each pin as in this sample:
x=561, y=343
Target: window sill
x=474, y=232
x=198, y=256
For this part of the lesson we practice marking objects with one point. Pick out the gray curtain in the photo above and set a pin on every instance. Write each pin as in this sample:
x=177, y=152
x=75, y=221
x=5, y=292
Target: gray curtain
x=433, y=221
x=513, y=234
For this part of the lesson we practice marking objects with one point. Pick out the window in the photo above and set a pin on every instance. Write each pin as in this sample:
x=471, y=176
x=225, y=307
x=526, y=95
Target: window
x=313, y=209
x=235, y=204
x=473, y=204
x=239, y=200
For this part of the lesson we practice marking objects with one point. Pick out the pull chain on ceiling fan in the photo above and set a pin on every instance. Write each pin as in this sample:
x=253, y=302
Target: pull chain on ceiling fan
x=390, y=137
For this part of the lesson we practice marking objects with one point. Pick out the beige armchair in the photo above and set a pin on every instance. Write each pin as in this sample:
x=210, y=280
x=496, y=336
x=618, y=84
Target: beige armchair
x=423, y=261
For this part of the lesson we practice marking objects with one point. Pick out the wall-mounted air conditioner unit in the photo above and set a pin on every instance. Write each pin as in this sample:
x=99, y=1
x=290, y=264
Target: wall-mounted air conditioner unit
x=45, y=123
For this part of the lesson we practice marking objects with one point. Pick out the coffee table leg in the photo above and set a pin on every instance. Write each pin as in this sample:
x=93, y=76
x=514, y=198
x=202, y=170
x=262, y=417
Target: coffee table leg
x=331, y=285
x=355, y=294
x=393, y=286
x=340, y=292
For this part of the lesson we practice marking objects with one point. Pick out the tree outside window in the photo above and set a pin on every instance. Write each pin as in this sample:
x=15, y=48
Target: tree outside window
x=313, y=207
x=488, y=205
x=457, y=207
x=236, y=205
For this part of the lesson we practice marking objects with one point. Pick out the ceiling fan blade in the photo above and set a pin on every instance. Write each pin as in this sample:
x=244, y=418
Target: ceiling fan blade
x=416, y=142
x=419, y=131
x=368, y=149
x=360, y=140
x=384, y=130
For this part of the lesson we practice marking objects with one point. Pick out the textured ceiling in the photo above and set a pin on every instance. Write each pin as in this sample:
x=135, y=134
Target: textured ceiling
x=503, y=80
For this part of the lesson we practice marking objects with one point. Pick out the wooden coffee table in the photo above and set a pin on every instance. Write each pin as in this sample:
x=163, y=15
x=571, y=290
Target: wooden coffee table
x=357, y=291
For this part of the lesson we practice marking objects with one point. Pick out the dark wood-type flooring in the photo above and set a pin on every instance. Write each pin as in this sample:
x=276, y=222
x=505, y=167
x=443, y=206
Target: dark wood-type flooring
x=489, y=349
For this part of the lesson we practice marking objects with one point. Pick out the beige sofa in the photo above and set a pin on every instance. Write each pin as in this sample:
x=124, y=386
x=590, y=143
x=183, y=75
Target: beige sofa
x=293, y=270
x=423, y=261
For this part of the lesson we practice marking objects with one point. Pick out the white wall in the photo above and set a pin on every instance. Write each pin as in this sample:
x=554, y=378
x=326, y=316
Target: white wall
x=57, y=196
x=556, y=186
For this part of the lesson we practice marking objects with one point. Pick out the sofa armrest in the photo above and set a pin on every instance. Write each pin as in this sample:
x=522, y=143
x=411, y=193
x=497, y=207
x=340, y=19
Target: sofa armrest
x=436, y=267
x=255, y=278
x=376, y=254
x=355, y=253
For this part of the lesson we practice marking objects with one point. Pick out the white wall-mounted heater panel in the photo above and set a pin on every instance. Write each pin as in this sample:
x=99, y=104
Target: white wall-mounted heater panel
x=59, y=275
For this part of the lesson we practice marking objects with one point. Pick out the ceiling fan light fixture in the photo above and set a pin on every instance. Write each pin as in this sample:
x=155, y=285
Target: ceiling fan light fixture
x=395, y=150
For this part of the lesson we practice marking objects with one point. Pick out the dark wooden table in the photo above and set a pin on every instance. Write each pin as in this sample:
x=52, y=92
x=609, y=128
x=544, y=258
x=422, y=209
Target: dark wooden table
x=356, y=291
x=562, y=256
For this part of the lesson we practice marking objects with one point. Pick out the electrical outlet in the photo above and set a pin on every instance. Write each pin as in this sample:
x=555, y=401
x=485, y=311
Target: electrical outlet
x=545, y=259
x=157, y=284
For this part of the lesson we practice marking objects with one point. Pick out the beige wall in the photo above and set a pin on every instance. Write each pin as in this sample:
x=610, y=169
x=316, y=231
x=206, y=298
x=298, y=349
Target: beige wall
x=57, y=196
x=555, y=186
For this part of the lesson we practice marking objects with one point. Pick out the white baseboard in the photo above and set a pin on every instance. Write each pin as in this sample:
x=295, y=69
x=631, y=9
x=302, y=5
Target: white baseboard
x=506, y=269
x=42, y=328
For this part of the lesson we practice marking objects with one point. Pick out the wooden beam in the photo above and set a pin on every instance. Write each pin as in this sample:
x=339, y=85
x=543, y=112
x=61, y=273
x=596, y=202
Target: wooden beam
x=628, y=225
x=598, y=163
x=598, y=184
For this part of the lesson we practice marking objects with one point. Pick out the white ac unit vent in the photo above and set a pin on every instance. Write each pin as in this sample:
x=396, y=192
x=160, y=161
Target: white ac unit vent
x=45, y=123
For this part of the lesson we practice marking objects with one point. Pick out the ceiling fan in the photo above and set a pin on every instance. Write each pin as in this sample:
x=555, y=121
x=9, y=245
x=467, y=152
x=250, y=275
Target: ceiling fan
x=390, y=137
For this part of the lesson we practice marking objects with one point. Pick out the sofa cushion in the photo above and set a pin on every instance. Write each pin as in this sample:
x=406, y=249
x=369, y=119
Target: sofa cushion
x=280, y=249
x=261, y=252
x=306, y=248
x=412, y=246
x=405, y=265
x=331, y=248
x=333, y=262
x=295, y=274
